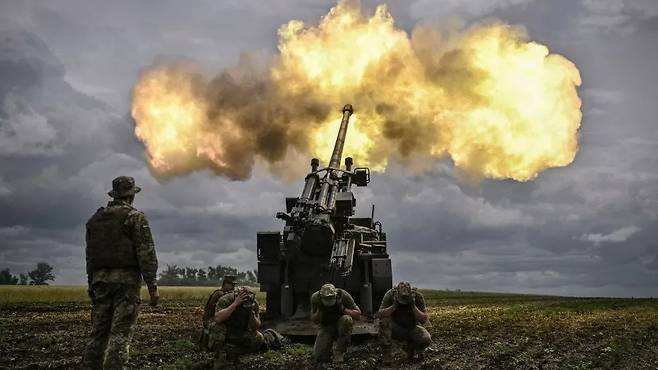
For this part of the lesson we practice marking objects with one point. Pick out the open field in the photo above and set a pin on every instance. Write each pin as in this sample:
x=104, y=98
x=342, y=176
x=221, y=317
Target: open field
x=46, y=327
x=62, y=293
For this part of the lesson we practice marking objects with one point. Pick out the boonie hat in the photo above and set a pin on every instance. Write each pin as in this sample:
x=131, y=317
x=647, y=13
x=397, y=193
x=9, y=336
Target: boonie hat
x=123, y=186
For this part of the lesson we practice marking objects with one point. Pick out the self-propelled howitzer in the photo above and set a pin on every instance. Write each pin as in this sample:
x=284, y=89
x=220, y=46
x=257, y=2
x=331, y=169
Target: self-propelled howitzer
x=321, y=242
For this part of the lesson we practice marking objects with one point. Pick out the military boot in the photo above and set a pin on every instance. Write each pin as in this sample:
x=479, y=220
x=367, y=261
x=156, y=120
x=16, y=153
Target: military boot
x=220, y=361
x=387, y=358
x=273, y=340
x=233, y=353
x=339, y=357
x=411, y=354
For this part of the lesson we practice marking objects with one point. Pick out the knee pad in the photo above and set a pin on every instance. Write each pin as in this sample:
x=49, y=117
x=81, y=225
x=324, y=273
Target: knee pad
x=346, y=320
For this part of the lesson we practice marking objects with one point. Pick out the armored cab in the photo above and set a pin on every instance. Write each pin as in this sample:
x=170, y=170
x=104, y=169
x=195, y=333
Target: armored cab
x=322, y=242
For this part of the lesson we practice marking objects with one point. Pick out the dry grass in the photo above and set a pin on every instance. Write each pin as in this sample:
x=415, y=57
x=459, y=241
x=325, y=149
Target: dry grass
x=47, y=327
x=77, y=293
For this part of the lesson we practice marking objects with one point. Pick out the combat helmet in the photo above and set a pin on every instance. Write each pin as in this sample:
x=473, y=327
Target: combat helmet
x=403, y=293
x=328, y=294
x=251, y=296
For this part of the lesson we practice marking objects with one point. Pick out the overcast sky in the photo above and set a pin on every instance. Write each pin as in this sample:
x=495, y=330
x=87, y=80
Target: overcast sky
x=67, y=68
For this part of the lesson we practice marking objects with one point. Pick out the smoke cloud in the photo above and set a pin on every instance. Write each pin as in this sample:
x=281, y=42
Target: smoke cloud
x=500, y=106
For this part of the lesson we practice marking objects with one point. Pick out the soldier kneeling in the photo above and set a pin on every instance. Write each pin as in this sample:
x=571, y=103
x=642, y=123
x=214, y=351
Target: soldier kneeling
x=234, y=330
x=401, y=312
x=209, y=310
x=334, y=309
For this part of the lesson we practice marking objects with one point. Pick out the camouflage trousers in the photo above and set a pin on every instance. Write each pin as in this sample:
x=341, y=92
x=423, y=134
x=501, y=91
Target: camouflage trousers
x=341, y=332
x=414, y=339
x=225, y=344
x=113, y=317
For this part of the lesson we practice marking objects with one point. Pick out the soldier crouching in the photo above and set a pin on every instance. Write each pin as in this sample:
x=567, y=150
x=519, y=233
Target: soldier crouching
x=334, y=309
x=401, y=312
x=234, y=330
x=209, y=310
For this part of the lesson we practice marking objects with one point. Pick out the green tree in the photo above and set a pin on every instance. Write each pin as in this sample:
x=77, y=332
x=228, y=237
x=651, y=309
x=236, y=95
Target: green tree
x=201, y=276
x=190, y=274
x=23, y=278
x=170, y=276
x=41, y=274
x=251, y=276
x=212, y=274
x=6, y=278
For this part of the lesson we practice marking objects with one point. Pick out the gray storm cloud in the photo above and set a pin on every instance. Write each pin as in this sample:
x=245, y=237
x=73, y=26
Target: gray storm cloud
x=496, y=236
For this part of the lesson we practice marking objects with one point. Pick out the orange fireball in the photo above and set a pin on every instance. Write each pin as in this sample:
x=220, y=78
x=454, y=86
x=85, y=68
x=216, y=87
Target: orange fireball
x=498, y=105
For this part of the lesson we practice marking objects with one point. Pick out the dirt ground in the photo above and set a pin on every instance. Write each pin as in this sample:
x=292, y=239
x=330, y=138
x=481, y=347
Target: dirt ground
x=470, y=331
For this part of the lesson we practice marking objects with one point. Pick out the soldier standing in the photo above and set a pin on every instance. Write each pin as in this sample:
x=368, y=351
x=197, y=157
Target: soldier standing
x=234, y=330
x=119, y=253
x=401, y=312
x=334, y=309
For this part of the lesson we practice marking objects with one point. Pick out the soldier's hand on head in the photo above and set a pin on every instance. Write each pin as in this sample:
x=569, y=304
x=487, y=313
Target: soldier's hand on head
x=240, y=298
x=155, y=296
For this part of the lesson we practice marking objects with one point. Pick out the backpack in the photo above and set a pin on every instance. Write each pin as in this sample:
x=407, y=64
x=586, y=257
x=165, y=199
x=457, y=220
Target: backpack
x=108, y=244
x=208, y=314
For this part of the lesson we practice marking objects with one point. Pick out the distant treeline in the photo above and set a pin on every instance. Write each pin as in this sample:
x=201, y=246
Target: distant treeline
x=212, y=276
x=172, y=275
x=39, y=276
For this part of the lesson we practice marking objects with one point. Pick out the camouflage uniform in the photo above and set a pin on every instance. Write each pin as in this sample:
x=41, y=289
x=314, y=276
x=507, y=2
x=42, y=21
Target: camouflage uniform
x=334, y=324
x=403, y=325
x=235, y=336
x=228, y=285
x=120, y=253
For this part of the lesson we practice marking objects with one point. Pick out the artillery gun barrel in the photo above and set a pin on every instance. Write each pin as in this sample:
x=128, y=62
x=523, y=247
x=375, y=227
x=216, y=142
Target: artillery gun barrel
x=340, y=140
x=329, y=188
